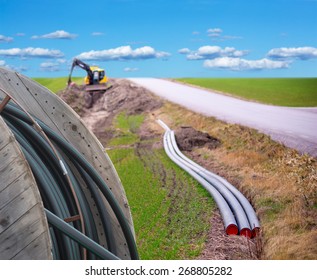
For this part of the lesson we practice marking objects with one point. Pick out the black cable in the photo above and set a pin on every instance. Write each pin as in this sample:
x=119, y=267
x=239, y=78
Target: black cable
x=47, y=172
x=43, y=147
x=53, y=185
x=79, y=237
x=49, y=193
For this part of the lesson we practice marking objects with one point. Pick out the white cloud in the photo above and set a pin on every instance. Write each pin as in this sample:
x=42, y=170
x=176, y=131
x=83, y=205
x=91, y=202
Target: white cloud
x=238, y=64
x=302, y=53
x=129, y=69
x=97, y=33
x=211, y=52
x=14, y=68
x=59, y=34
x=31, y=52
x=5, y=39
x=123, y=53
x=214, y=31
x=184, y=51
x=52, y=66
x=61, y=61
x=229, y=37
x=216, y=35
x=49, y=67
x=19, y=68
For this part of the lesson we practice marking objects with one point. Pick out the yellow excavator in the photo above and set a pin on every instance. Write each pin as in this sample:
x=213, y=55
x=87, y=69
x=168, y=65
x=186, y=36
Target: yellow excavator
x=96, y=79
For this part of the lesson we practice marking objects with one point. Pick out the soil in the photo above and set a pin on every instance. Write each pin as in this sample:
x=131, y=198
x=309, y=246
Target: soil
x=122, y=96
x=188, y=138
x=133, y=99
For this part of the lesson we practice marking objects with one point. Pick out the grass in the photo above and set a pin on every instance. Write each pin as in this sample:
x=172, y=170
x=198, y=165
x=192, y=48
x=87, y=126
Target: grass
x=126, y=128
x=168, y=207
x=272, y=207
x=293, y=92
x=57, y=84
x=279, y=182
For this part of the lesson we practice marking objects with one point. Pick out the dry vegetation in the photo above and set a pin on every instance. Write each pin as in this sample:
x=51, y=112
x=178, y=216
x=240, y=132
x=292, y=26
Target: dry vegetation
x=281, y=184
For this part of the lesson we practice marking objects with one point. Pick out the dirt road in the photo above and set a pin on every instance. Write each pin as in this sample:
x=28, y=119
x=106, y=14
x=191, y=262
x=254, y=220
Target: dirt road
x=294, y=127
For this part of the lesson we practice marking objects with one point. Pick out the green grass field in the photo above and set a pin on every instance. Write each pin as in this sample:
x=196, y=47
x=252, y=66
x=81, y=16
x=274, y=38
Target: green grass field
x=293, y=92
x=170, y=209
x=57, y=84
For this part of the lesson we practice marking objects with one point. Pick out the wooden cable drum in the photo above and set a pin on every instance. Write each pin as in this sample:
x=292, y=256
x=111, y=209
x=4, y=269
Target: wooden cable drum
x=23, y=227
x=24, y=231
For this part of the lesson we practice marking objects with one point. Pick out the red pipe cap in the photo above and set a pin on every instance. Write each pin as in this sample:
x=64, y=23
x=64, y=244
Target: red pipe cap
x=255, y=231
x=246, y=232
x=232, y=229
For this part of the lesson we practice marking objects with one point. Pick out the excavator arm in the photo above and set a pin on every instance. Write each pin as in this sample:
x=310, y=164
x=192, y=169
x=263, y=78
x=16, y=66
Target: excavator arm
x=79, y=63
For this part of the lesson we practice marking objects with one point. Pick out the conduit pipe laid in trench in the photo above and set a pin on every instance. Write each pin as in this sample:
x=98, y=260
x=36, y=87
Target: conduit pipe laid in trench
x=237, y=213
x=220, y=182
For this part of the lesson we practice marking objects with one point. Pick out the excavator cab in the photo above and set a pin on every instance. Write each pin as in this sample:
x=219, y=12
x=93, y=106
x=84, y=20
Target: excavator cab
x=98, y=76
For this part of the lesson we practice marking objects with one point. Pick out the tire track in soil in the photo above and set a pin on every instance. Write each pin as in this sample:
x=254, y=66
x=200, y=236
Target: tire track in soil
x=177, y=187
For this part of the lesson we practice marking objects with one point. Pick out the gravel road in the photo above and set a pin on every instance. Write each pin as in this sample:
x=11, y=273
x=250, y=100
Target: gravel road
x=294, y=127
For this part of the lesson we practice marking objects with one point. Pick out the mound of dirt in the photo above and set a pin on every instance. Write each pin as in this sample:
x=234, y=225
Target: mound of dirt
x=122, y=96
x=99, y=112
x=128, y=97
x=74, y=97
x=99, y=109
x=187, y=138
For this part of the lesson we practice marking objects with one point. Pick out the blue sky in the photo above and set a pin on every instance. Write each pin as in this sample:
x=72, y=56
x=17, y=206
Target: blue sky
x=161, y=38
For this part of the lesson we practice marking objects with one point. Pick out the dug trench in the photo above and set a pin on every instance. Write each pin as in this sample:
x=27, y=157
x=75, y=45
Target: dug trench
x=174, y=217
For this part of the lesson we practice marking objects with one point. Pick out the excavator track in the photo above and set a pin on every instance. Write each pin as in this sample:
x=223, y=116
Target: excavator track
x=99, y=87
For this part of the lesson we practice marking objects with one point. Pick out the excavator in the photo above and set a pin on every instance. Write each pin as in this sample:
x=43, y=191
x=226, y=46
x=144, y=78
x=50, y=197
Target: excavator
x=95, y=81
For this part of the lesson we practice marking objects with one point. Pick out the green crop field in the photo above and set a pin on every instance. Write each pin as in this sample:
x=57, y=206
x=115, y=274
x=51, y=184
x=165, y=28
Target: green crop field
x=57, y=84
x=293, y=92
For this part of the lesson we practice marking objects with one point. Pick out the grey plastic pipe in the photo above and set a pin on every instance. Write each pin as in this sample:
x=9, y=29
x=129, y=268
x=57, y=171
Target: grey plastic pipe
x=238, y=211
x=243, y=211
x=230, y=224
x=214, y=179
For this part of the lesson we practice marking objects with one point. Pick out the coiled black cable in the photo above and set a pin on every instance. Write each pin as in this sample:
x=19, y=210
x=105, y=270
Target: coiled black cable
x=55, y=192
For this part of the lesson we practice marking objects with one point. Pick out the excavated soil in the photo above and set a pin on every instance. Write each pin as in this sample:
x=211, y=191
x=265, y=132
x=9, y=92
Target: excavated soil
x=122, y=96
x=188, y=138
x=133, y=99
